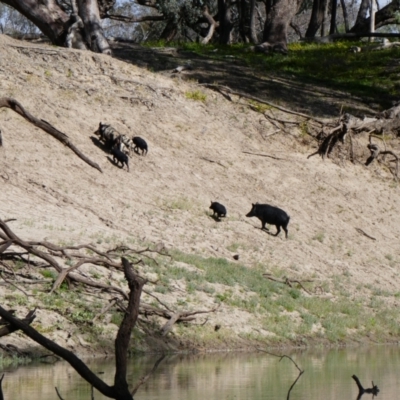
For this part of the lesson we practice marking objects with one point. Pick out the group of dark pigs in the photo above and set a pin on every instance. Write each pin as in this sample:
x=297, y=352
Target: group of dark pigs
x=116, y=143
x=120, y=145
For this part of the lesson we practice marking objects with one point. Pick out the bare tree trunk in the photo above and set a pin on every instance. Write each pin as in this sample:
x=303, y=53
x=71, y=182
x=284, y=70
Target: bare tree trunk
x=136, y=284
x=46, y=15
x=385, y=16
x=332, y=29
x=89, y=12
x=225, y=22
x=253, y=29
x=105, y=6
x=372, y=19
x=54, y=22
x=345, y=15
x=241, y=4
x=213, y=25
x=317, y=17
x=362, y=11
x=324, y=22
x=170, y=31
x=279, y=16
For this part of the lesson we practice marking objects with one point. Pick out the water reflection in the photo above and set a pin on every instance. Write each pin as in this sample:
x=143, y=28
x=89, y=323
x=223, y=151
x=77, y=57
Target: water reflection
x=227, y=376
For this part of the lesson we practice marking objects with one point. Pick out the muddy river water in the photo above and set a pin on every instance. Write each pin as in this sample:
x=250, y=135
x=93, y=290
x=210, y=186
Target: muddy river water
x=225, y=376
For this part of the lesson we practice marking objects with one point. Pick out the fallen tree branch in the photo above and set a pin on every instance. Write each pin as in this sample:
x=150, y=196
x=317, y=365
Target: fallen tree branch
x=6, y=330
x=221, y=88
x=58, y=393
x=291, y=359
x=63, y=138
x=264, y=155
x=374, y=390
x=289, y=282
x=212, y=161
x=16, y=287
x=182, y=316
x=365, y=234
x=145, y=378
x=128, y=19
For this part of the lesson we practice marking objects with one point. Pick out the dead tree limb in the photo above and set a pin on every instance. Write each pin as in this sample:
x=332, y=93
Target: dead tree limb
x=119, y=391
x=212, y=161
x=144, y=379
x=289, y=282
x=6, y=330
x=58, y=393
x=301, y=372
x=31, y=248
x=168, y=326
x=376, y=151
x=63, y=138
x=224, y=89
x=386, y=122
x=13, y=284
x=182, y=316
x=263, y=155
x=374, y=390
x=365, y=234
x=67, y=355
x=213, y=25
x=1, y=390
x=334, y=135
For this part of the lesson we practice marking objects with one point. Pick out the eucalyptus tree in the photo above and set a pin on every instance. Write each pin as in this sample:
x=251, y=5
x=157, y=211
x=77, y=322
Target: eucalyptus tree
x=279, y=14
x=58, y=19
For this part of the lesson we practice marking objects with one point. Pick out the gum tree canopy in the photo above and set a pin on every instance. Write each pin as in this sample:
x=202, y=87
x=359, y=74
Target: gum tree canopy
x=75, y=23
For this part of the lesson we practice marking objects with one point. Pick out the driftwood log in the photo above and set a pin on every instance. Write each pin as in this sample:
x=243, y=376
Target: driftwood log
x=374, y=390
x=44, y=125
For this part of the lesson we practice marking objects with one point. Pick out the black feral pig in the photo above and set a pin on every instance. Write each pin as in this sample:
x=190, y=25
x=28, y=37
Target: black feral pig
x=139, y=144
x=120, y=157
x=107, y=134
x=270, y=215
x=218, y=209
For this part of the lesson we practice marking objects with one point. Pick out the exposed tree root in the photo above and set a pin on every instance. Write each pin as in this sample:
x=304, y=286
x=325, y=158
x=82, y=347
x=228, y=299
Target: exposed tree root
x=351, y=131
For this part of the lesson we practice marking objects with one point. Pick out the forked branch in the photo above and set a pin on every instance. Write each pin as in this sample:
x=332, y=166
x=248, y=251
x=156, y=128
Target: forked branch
x=301, y=371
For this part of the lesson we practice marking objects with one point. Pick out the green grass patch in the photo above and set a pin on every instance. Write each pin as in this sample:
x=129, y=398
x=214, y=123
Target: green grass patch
x=196, y=95
x=290, y=311
x=372, y=74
